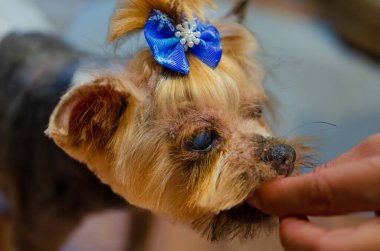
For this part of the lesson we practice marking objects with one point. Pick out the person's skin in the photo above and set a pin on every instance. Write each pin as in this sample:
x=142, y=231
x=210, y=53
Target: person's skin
x=350, y=183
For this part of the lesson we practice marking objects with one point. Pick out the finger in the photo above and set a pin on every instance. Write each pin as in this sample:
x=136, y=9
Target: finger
x=340, y=190
x=297, y=234
x=368, y=148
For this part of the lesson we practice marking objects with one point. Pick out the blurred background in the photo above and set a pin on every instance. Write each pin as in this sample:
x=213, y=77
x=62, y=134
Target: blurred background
x=322, y=64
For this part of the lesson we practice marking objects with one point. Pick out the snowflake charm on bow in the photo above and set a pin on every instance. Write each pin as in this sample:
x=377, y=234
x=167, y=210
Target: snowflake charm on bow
x=171, y=44
x=189, y=36
x=163, y=20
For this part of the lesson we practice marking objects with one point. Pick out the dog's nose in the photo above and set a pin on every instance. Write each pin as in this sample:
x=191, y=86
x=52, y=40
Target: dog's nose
x=282, y=158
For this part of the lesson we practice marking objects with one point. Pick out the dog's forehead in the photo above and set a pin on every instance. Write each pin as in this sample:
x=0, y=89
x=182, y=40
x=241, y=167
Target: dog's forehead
x=192, y=118
x=206, y=99
x=206, y=106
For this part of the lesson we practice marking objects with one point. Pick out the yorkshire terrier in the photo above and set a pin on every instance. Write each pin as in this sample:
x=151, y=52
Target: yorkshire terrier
x=180, y=132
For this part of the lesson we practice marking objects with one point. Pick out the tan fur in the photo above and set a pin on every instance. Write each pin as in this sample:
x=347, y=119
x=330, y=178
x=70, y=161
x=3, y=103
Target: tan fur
x=132, y=15
x=140, y=149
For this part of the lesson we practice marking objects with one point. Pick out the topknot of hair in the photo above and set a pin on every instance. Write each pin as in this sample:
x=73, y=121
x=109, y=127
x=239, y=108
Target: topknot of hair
x=131, y=15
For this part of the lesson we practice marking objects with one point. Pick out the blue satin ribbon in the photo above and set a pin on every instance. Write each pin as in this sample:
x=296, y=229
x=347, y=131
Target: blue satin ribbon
x=169, y=51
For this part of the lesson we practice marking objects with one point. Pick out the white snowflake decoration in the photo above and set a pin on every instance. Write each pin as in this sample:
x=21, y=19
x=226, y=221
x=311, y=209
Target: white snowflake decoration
x=164, y=20
x=189, y=36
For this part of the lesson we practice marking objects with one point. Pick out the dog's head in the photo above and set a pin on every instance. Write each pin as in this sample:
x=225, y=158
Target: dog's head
x=194, y=146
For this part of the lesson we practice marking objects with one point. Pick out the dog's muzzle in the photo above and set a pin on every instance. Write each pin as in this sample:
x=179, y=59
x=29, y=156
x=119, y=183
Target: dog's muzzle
x=280, y=156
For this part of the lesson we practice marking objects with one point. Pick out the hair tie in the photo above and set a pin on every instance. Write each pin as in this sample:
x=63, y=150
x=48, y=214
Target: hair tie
x=169, y=43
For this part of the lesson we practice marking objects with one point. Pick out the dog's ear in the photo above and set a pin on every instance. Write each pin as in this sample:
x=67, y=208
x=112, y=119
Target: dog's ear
x=237, y=41
x=239, y=11
x=87, y=117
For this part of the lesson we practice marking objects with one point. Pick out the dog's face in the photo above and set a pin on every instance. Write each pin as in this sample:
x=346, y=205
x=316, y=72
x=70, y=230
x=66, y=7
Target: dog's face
x=192, y=147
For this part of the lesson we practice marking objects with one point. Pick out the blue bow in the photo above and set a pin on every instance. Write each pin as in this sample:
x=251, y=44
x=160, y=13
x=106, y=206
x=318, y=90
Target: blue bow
x=169, y=43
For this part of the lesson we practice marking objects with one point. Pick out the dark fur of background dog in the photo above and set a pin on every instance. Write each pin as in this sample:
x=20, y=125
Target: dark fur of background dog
x=47, y=192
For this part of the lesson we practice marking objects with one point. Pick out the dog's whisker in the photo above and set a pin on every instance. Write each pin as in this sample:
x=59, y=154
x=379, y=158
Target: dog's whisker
x=309, y=124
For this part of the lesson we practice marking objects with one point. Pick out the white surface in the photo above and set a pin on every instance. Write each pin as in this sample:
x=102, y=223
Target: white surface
x=21, y=16
x=105, y=231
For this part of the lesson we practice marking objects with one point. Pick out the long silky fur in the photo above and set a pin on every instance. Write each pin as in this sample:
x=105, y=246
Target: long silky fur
x=147, y=161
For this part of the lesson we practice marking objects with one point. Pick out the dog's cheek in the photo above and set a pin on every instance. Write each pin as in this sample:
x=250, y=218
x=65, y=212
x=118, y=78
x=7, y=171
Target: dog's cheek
x=219, y=187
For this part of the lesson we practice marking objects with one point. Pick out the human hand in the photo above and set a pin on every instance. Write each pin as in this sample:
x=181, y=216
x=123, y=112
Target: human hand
x=350, y=183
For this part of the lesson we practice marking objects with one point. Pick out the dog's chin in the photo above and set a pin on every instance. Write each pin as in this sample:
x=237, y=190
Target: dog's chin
x=241, y=221
x=245, y=213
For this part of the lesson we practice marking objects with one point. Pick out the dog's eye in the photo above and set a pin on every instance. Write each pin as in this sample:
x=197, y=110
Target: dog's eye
x=202, y=142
